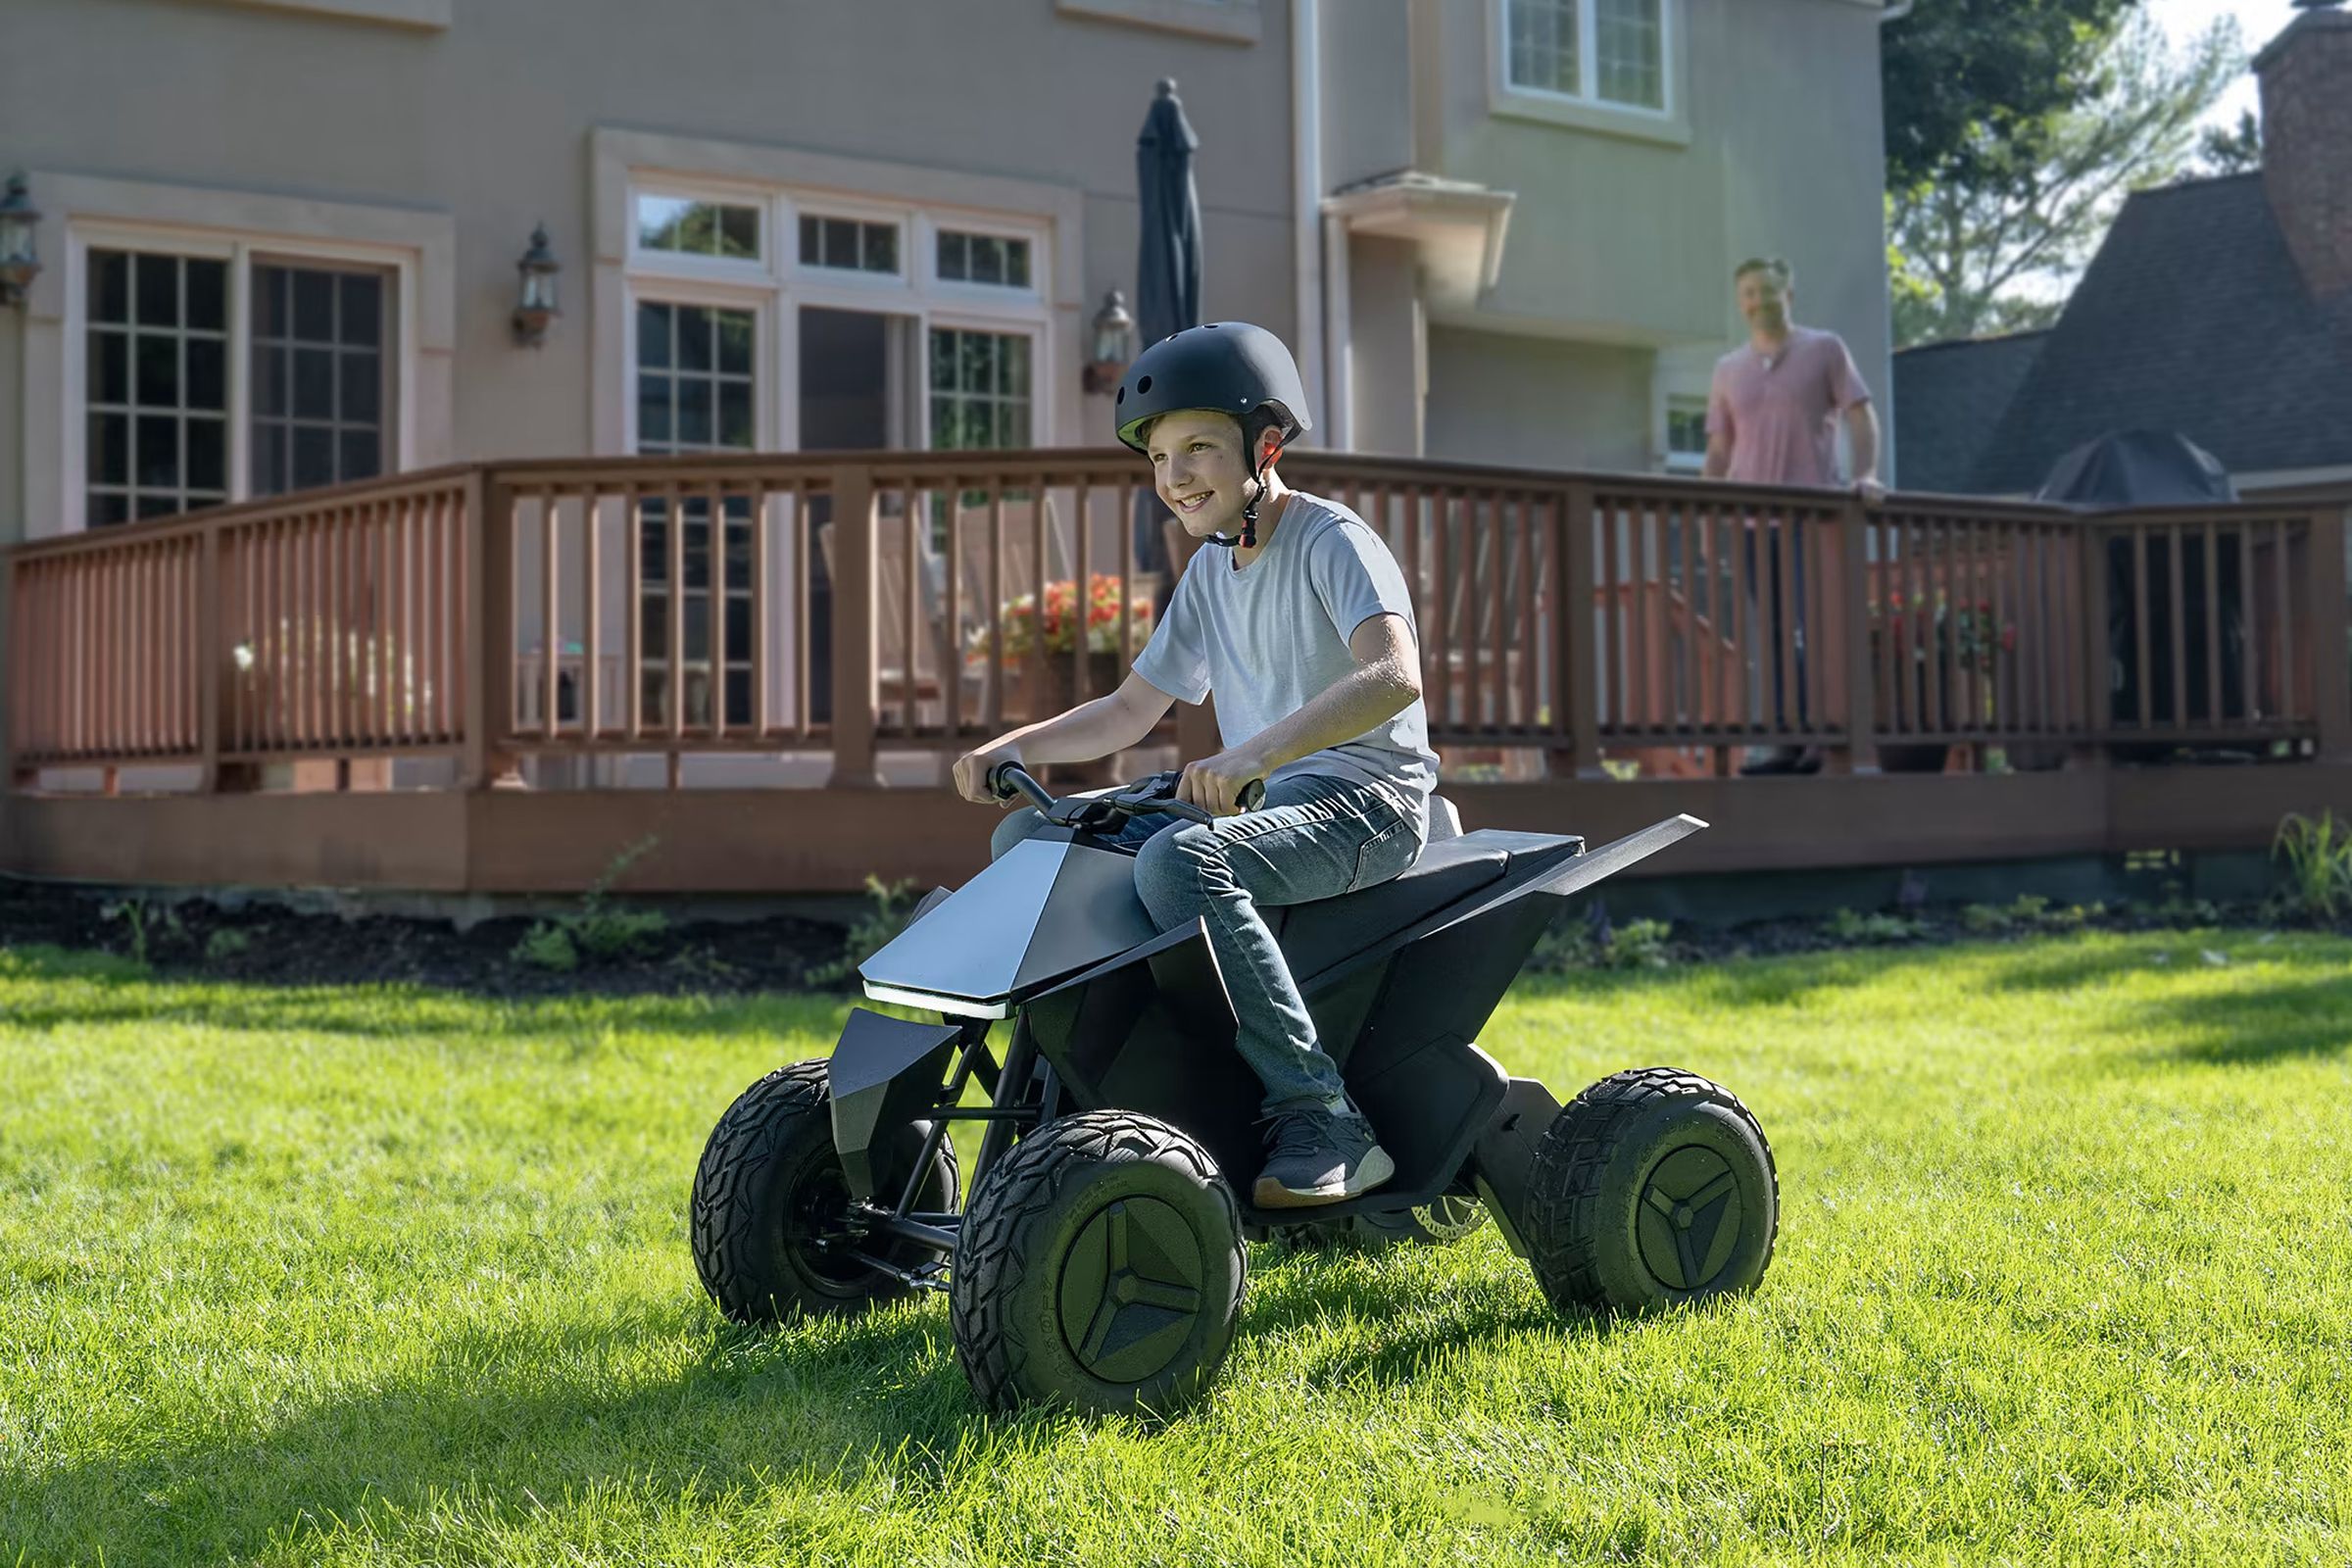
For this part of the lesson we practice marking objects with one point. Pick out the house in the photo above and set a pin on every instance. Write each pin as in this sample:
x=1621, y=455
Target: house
x=2219, y=308
x=289, y=257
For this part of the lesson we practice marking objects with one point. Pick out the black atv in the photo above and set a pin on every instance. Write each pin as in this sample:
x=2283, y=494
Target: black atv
x=1099, y=1264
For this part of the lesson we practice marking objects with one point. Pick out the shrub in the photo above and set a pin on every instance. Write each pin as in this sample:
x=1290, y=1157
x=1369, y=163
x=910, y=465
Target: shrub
x=2319, y=865
x=225, y=945
x=886, y=916
x=595, y=928
x=1847, y=926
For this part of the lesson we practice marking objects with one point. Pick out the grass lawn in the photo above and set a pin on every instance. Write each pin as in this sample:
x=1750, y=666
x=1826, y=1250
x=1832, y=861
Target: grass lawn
x=363, y=1276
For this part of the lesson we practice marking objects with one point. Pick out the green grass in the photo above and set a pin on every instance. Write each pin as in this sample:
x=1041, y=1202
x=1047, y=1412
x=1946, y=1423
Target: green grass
x=366, y=1276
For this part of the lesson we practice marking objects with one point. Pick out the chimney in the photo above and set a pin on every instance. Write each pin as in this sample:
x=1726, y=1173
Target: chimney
x=2306, y=77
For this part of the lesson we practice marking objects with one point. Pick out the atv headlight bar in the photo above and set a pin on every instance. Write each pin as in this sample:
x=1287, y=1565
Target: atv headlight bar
x=934, y=1001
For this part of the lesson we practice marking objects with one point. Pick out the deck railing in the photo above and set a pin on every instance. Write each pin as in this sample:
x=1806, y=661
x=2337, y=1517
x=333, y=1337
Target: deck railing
x=861, y=602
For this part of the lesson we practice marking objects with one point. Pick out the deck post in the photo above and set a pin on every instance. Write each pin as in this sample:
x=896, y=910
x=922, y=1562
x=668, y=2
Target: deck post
x=2330, y=649
x=854, y=630
x=16, y=694
x=2096, y=692
x=489, y=633
x=1861, y=707
x=213, y=661
x=1575, y=685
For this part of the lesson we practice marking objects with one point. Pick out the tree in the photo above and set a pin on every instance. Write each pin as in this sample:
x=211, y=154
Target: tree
x=1994, y=240
x=2233, y=149
x=1962, y=77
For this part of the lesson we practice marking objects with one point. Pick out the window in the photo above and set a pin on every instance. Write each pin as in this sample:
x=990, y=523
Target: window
x=680, y=226
x=696, y=386
x=318, y=377
x=158, y=376
x=980, y=390
x=850, y=245
x=983, y=259
x=1610, y=52
x=1686, y=434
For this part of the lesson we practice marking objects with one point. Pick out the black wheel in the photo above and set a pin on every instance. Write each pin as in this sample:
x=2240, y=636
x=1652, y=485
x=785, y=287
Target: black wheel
x=1098, y=1267
x=770, y=1204
x=1439, y=1222
x=1651, y=1189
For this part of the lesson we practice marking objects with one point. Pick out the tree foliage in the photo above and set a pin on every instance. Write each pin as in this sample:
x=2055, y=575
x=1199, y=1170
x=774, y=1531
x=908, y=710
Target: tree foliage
x=2231, y=149
x=1963, y=78
x=1994, y=238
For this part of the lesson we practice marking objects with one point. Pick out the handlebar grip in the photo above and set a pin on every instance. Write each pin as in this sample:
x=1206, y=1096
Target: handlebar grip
x=999, y=781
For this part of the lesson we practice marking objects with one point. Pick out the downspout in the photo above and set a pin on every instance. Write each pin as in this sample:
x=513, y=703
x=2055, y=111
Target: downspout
x=1306, y=207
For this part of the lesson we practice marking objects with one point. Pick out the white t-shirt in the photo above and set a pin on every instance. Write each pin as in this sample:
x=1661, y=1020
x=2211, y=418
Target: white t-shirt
x=1271, y=636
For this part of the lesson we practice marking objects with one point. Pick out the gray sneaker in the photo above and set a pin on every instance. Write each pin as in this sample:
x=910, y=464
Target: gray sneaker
x=1319, y=1156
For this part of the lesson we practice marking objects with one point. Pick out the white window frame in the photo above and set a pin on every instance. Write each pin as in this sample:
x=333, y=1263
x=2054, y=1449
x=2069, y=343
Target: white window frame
x=955, y=320
x=240, y=251
x=815, y=275
x=726, y=297
x=1586, y=110
x=930, y=225
x=1670, y=460
x=685, y=264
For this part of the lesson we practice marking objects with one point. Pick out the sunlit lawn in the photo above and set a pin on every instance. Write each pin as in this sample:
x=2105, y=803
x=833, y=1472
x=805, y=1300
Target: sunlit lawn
x=363, y=1276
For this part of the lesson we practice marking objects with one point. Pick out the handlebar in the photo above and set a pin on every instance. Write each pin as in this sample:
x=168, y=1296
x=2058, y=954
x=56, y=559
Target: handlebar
x=1154, y=796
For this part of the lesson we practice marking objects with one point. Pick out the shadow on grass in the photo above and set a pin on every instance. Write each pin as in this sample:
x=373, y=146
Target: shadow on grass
x=513, y=1417
x=85, y=990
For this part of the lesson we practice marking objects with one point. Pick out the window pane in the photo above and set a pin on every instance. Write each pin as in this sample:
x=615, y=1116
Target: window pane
x=694, y=412
x=110, y=367
x=269, y=381
x=208, y=372
x=363, y=309
x=110, y=286
x=269, y=460
x=1628, y=52
x=106, y=510
x=739, y=232
x=1017, y=356
x=207, y=454
x=653, y=629
x=158, y=360
x=813, y=242
x=314, y=457
x=361, y=457
x=156, y=459
x=270, y=286
x=739, y=695
x=313, y=382
x=1543, y=39
x=110, y=448
x=881, y=248
x=954, y=262
x=735, y=414
x=653, y=412
x=694, y=338
x=659, y=220
x=314, y=307
x=208, y=295
x=734, y=342
x=158, y=290
x=363, y=378
x=698, y=626
x=653, y=336
x=159, y=506
x=1016, y=263
x=841, y=243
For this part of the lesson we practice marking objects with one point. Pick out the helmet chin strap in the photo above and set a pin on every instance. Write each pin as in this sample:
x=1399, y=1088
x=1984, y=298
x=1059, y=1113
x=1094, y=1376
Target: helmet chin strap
x=1247, y=537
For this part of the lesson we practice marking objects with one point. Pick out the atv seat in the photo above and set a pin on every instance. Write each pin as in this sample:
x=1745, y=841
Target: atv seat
x=1327, y=930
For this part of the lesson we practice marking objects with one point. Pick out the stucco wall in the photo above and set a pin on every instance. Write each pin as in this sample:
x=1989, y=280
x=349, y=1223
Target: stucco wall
x=1535, y=403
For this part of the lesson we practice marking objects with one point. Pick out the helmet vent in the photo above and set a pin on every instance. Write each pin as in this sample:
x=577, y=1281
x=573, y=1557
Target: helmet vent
x=1122, y=397
x=1143, y=386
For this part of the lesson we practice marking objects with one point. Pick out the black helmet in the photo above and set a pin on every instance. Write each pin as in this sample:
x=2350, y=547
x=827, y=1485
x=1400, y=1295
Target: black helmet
x=1230, y=365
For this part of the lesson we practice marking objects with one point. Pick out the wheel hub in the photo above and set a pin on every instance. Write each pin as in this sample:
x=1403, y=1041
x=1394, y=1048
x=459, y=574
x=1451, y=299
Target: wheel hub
x=1690, y=1219
x=1130, y=1290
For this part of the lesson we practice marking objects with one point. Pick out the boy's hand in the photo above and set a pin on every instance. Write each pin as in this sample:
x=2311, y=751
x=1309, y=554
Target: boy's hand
x=973, y=767
x=1215, y=783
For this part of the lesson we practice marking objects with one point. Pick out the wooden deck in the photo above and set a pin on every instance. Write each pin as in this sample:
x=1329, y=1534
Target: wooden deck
x=461, y=680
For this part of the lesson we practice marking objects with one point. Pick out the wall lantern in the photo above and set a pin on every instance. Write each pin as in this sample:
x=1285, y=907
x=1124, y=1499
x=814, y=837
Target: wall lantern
x=1115, y=345
x=19, y=266
x=535, y=308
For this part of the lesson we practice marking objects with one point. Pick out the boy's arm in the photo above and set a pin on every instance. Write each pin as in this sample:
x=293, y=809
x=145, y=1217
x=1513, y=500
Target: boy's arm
x=1385, y=682
x=1097, y=728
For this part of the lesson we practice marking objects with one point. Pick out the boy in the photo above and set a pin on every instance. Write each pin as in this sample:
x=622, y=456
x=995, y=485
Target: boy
x=1304, y=631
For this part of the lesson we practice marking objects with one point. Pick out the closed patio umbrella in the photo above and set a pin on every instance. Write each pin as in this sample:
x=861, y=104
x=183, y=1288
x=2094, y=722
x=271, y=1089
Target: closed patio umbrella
x=1167, y=282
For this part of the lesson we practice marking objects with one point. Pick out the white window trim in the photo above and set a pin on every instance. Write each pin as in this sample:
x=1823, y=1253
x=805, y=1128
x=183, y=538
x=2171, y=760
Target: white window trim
x=1582, y=112
x=929, y=225
x=240, y=252
x=797, y=205
x=419, y=245
x=683, y=264
x=760, y=302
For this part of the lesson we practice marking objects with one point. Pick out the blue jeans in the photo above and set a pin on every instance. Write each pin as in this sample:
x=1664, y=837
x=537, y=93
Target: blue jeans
x=1316, y=837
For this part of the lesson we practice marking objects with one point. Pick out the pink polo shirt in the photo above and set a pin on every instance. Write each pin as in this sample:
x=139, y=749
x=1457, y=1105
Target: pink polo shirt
x=1780, y=414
